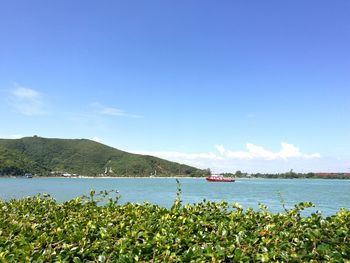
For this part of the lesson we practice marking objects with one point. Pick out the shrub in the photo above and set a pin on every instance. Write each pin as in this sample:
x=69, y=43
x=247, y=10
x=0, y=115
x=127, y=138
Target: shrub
x=38, y=229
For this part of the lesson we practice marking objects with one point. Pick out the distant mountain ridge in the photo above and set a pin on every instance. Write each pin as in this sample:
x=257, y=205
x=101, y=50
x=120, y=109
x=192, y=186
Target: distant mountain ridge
x=45, y=156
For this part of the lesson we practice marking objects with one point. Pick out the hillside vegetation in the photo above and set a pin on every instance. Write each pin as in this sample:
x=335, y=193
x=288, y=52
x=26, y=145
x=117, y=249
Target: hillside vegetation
x=43, y=156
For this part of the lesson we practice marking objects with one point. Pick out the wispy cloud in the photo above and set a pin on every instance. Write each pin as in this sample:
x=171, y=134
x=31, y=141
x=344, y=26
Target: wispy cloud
x=111, y=111
x=26, y=101
x=228, y=160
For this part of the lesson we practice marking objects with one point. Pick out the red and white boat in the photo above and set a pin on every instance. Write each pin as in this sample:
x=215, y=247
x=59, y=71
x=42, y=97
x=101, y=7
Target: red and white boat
x=220, y=179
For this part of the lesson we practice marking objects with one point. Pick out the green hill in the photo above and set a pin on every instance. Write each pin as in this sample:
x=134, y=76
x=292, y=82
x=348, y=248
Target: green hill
x=43, y=156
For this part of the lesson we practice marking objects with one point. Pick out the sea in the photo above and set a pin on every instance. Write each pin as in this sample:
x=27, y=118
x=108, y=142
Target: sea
x=328, y=196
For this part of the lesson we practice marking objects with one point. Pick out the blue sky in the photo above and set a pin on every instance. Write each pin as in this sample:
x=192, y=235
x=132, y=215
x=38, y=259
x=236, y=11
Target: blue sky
x=230, y=85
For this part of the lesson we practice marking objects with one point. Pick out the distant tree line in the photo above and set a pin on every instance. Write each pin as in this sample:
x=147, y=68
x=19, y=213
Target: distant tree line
x=288, y=175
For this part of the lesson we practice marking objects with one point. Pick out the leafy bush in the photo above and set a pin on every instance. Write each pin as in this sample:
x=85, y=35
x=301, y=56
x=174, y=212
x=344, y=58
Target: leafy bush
x=38, y=229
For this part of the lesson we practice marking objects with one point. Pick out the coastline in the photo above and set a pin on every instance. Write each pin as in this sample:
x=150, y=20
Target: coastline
x=163, y=177
x=108, y=177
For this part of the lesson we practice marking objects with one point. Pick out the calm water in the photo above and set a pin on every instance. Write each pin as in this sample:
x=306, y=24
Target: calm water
x=328, y=195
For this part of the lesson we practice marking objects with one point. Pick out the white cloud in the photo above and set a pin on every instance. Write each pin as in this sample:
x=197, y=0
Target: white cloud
x=181, y=155
x=96, y=139
x=110, y=111
x=13, y=136
x=257, y=152
x=220, y=148
x=26, y=93
x=254, y=158
x=26, y=101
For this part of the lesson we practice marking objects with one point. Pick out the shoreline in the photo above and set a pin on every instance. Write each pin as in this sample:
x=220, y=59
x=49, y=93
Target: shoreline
x=162, y=177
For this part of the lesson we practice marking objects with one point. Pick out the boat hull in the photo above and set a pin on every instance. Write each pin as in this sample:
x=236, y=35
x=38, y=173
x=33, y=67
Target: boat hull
x=220, y=179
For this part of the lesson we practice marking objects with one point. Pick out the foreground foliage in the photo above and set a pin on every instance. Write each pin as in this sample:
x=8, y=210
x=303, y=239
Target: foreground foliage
x=38, y=229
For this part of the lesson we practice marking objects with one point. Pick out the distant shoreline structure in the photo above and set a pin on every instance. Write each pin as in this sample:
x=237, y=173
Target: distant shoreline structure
x=325, y=176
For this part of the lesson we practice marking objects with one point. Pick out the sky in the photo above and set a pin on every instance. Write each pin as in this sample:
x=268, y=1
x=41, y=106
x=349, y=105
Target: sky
x=256, y=86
